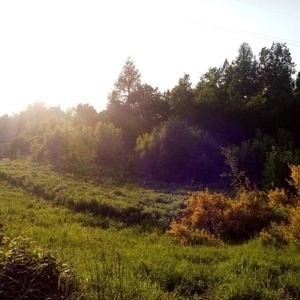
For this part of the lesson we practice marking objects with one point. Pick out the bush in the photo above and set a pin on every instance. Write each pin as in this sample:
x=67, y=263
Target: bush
x=109, y=144
x=294, y=227
x=166, y=157
x=216, y=216
x=28, y=272
x=197, y=237
x=278, y=198
x=295, y=175
x=249, y=214
x=276, y=235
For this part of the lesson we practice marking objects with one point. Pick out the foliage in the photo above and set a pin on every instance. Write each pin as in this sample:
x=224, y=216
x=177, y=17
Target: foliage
x=56, y=144
x=109, y=144
x=98, y=191
x=82, y=144
x=184, y=235
x=239, y=180
x=294, y=225
x=181, y=98
x=283, y=153
x=165, y=156
x=279, y=197
x=275, y=70
x=295, y=175
x=287, y=232
x=221, y=216
x=85, y=114
x=244, y=77
x=128, y=81
x=250, y=105
x=30, y=272
x=92, y=250
x=276, y=235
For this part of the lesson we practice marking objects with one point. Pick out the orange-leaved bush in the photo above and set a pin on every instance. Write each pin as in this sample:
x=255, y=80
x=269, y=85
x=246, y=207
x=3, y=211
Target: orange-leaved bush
x=278, y=198
x=220, y=217
x=250, y=213
x=289, y=230
x=184, y=235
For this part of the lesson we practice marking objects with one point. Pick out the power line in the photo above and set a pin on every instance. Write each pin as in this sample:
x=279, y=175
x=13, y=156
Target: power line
x=269, y=9
x=245, y=33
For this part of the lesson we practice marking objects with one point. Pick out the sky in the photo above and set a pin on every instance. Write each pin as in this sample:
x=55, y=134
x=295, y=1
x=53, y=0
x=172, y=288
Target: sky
x=66, y=52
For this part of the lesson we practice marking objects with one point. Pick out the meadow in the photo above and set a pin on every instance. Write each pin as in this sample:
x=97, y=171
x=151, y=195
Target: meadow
x=110, y=234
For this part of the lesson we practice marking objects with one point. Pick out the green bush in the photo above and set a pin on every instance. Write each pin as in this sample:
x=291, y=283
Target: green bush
x=165, y=157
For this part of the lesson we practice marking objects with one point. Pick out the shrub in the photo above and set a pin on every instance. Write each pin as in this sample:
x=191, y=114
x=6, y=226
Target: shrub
x=109, y=144
x=295, y=175
x=276, y=235
x=248, y=215
x=28, y=272
x=206, y=211
x=166, y=157
x=278, y=198
x=294, y=226
x=219, y=216
x=184, y=235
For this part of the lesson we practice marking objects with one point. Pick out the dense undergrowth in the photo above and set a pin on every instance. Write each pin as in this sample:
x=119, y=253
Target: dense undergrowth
x=112, y=259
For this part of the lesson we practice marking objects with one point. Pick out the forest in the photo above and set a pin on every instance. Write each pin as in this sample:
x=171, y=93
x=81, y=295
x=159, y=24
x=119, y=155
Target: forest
x=212, y=165
x=246, y=110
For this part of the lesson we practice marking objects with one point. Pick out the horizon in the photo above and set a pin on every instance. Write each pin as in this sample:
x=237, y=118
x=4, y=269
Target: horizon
x=66, y=53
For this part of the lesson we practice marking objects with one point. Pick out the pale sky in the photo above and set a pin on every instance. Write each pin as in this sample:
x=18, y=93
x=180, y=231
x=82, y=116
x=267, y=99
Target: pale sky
x=68, y=52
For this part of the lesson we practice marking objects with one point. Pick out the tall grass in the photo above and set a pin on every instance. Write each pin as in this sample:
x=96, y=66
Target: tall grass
x=104, y=196
x=113, y=261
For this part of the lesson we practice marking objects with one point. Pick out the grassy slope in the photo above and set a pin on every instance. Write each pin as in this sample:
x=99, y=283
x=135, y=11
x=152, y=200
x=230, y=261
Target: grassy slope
x=117, y=261
x=99, y=195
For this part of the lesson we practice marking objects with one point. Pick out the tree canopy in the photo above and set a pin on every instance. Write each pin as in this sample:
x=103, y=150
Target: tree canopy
x=250, y=106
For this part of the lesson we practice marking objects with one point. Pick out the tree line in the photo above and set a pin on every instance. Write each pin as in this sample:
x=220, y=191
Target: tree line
x=240, y=118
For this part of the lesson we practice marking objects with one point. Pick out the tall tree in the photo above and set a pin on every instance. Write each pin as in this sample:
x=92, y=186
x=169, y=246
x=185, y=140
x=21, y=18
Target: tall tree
x=212, y=90
x=150, y=107
x=182, y=98
x=132, y=106
x=244, y=81
x=128, y=81
x=275, y=70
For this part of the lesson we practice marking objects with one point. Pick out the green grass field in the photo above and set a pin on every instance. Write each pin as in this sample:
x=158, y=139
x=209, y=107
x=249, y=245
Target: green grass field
x=111, y=234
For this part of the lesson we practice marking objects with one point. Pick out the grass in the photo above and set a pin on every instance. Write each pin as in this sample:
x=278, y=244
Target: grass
x=101, y=196
x=116, y=260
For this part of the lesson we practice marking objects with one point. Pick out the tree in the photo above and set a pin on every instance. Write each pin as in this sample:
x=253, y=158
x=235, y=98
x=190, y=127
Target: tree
x=122, y=101
x=55, y=144
x=244, y=80
x=148, y=109
x=177, y=152
x=275, y=72
x=150, y=106
x=128, y=81
x=182, y=98
x=109, y=144
x=86, y=114
x=278, y=160
x=82, y=143
x=212, y=88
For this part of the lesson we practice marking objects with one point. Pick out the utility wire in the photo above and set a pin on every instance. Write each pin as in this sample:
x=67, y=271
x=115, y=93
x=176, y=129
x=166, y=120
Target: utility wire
x=269, y=9
x=245, y=33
